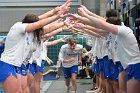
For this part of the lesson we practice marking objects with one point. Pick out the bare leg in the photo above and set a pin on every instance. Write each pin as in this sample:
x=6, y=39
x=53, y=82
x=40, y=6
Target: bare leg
x=109, y=88
x=74, y=86
x=122, y=82
x=24, y=85
x=30, y=79
x=19, y=83
x=37, y=82
x=133, y=86
x=10, y=85
x=97, y=81
x=100, y=82
x=67, y=82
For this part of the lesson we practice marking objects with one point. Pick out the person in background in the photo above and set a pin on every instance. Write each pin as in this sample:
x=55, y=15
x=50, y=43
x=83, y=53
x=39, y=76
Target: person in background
x=70, y=55
x=86, y=61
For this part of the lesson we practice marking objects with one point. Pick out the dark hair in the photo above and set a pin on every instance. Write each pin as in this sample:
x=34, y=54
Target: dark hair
x=114, y=20
x=72, y=41
x=30, y=18
x=111, y=13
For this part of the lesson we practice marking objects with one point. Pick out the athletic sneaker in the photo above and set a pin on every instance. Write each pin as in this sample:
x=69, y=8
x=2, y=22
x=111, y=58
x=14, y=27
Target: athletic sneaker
x=88, y=77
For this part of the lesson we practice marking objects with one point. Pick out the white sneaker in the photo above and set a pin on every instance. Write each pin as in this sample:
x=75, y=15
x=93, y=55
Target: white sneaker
x=73, y=91
x=88, y=77
x=68, y=89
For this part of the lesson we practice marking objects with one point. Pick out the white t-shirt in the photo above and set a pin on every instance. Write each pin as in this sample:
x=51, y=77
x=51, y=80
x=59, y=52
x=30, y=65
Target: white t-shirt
x=15, y=45
x=37, y=54
x=128, y=47
x=44, y=51
x=99, y=48
x=66, y=52
x=114, y=46
x=93, y=44
x=30, y=47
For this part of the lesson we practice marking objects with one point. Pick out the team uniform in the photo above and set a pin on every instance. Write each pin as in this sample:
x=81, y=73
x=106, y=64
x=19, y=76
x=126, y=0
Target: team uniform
x=128, y=54
x=42, y=59
x=37, y=60
x=93, y=51
x=65, y=53
x=15, y=52
x=99, y=58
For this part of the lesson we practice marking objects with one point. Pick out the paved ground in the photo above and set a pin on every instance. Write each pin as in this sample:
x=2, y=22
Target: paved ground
x=58, y=86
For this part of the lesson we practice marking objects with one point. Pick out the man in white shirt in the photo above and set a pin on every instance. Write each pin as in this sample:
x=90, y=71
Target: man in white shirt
x=70, y=56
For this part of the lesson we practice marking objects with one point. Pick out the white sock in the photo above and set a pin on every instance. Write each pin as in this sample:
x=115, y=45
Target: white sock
x=73, y=91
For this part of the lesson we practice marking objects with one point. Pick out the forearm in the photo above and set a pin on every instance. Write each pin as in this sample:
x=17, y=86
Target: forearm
x=54, y=42
x=72, y=59
x=91, y=32
x=84, y=20
x=100, y=24
x=48, y=35
x=80, y=57
x=88, y=32
x=99, y=31
x=52, y=27
x=39, y=24
x=94, y=15
x=48, y=14
x=66, y=61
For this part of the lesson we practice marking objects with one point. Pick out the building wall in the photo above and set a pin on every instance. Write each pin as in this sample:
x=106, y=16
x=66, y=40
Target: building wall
x=11, y=14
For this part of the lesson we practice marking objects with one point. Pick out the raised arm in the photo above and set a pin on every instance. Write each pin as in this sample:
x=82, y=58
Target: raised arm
x=100, y=23
x=39, y=24
x=49, y=13
x=48, y=35
x=56, y=41
x=95, y=22
x=51, y=27
x=63, y=8
x=91, y=13
x=88, y=32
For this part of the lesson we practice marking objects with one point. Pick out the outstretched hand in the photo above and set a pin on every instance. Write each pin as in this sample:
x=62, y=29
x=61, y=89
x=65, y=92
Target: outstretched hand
x=86, y=10
x=64, y=8
x=82, y=12
x=64, y=39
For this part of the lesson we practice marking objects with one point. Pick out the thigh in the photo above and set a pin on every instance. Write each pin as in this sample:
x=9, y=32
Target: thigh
x=23, y=81
x=30, y=78
x=10, y=85
x=122, y=81
x=38, y=76
x=133, y=86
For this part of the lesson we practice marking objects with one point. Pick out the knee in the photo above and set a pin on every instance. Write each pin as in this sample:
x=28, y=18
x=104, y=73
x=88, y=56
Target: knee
x=73, y=80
